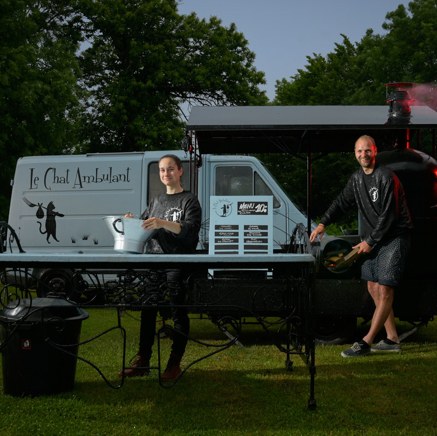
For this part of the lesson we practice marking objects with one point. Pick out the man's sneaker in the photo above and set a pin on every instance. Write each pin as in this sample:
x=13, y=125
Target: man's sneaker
x=358, y=349
x=387, y=346
x=139, y=367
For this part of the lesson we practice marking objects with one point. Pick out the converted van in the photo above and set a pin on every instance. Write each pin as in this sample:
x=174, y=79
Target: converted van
x=58, y=202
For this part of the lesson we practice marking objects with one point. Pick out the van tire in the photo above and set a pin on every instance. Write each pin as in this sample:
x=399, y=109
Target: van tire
x=59, y=282
x=334, y=330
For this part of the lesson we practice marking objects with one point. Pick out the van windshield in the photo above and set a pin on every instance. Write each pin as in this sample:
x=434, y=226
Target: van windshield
x=241, y=180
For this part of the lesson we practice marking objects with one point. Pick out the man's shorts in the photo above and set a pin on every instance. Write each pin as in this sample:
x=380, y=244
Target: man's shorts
x=386, y=261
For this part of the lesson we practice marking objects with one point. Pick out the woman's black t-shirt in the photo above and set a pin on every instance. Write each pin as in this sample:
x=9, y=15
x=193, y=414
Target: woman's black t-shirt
x=182, y=208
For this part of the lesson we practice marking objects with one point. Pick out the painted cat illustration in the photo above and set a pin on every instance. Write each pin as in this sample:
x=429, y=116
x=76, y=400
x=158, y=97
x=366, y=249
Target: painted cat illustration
x=50, y=224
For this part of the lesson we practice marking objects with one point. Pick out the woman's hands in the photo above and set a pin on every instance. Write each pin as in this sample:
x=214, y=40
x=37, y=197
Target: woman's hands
x=152, y=223
x=157, y=223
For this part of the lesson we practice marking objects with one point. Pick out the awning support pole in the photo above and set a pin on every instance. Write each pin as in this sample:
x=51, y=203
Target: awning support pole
x=309, y=188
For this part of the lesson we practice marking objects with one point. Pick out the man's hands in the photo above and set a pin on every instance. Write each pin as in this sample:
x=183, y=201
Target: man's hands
x=364, y=247
x=318, y=231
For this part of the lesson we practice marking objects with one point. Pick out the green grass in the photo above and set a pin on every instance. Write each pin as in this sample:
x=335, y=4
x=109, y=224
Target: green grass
x=240, y=391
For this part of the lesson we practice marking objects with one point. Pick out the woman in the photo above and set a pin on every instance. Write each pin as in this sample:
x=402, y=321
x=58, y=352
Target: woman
x=177, y=216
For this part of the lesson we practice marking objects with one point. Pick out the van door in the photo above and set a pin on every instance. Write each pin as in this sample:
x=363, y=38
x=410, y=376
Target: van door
x=245, y=175
x=58, y=202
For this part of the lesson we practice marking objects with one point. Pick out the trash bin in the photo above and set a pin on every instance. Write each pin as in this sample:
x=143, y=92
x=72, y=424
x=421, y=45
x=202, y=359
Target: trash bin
x=37, y=336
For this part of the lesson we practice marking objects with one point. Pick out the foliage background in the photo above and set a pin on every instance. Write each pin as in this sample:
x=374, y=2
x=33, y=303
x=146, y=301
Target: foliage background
x=121, y=75
x=357, y=75
x=111, y=75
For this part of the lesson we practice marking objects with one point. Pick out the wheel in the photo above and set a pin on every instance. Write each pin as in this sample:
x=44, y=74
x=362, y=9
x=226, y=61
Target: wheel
x=332, y=330
x=58, y=282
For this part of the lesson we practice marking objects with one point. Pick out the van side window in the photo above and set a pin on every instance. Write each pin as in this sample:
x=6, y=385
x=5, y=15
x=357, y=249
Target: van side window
x=241, y=180
x=235, y=180
x=261, y=188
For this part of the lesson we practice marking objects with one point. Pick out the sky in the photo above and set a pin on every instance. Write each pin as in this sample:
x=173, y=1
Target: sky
x=282, y=33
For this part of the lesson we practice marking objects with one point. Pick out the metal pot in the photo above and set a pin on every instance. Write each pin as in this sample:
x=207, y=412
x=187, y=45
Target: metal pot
x=129, y=236
x=338, y=255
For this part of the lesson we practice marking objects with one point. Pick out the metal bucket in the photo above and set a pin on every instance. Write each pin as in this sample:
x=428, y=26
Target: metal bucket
x=129, y=236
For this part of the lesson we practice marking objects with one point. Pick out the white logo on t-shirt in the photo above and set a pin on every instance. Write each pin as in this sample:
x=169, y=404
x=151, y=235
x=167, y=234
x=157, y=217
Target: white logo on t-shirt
x=174, y=215
x=374, y=194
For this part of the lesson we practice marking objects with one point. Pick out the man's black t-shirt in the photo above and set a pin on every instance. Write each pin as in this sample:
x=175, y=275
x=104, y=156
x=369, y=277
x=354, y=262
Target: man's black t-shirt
x=381, y=201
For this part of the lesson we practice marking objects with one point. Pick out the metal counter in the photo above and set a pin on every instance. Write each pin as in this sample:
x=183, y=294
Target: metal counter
x=220, y=286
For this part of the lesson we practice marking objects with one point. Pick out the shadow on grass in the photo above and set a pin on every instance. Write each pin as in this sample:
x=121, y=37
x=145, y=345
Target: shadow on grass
x=243, y=391
x=211, y=399
x=374, y=395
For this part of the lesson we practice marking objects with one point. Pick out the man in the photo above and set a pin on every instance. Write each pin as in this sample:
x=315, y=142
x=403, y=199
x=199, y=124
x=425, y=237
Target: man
x=385, y=236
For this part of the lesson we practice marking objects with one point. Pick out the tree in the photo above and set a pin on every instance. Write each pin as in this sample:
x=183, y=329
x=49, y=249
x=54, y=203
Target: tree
x=407, y=53
x=141, y=63
x=326, y=80
x=39, y=95
x=145, y=61
x=357, y=74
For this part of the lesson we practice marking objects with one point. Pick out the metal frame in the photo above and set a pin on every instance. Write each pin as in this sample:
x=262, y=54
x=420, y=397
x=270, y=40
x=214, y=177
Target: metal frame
x=291, y=281
x=296, y=130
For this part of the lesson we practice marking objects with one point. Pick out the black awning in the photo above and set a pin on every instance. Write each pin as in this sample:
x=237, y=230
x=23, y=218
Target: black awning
x=292, y=129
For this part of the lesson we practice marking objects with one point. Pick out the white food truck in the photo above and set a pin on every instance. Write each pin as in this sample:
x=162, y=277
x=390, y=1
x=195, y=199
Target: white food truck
x=58, y=202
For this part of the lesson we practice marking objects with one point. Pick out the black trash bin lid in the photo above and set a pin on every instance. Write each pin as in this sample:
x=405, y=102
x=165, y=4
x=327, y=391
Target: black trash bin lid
x=38, y=309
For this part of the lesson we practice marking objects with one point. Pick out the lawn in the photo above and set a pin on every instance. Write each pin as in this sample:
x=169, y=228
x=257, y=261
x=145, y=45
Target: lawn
x=239, y=391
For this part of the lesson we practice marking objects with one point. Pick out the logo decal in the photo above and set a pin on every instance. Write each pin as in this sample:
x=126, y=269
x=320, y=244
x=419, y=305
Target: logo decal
x=26, y=344
x=50, y=221
x=223, y=208
x=374, y=194
x=252, y=208
x=174, y=214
